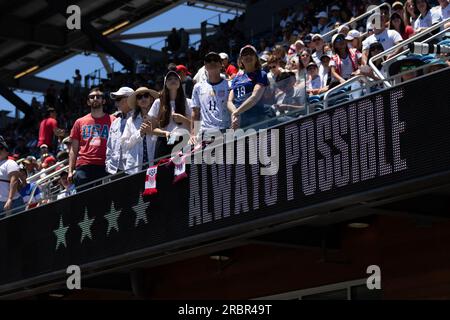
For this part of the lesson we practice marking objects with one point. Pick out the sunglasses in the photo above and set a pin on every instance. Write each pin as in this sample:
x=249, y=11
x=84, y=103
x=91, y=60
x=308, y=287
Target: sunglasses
x=96, y=96
x=272, y=67
x=140, y=96
x=305, y=55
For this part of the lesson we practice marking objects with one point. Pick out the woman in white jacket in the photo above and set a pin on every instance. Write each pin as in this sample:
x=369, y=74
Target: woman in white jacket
x=137, y=139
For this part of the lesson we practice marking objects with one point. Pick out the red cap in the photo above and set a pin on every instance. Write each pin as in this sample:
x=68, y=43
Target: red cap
x=182, y=68
x=49, y=160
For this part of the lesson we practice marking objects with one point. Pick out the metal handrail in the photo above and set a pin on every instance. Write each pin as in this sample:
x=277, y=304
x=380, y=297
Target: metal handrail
x=401, y=44
x=426, y=40
x=37, y=175
x=360, y=17
x=43, y=181
x=346, y=83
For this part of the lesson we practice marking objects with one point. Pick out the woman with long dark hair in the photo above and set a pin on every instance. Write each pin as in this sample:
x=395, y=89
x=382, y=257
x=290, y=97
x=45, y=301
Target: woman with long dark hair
x=396, y=23
x=426, y=19
x=410, y=13
x=170, y=114
x=137, y=140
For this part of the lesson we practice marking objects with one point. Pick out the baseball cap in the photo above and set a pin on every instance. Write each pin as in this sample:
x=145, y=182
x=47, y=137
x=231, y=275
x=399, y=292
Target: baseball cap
x=397, y=4
x=248, y=46
x=50, y=160
x=322, y=14
x=122, y=92
x=315, y=36
x=43, y=146
x=335, y=8
x=182, y=68
x=300, y=42
x=341, y=28
x=337, y=37
x=223, y=55
x=352, y=34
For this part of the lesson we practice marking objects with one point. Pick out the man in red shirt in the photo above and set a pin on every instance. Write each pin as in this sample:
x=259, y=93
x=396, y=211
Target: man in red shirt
x=48, y=128
x=230, y=70
x=89, y=136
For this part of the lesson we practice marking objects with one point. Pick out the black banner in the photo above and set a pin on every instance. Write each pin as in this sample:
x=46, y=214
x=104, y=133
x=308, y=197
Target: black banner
x=383, y=139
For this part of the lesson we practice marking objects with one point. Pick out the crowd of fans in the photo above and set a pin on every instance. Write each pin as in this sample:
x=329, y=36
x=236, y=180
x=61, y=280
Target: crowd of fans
x=243, y=85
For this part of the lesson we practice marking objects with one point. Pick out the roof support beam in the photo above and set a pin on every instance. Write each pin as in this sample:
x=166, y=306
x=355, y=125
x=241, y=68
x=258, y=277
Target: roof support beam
x=9, y=95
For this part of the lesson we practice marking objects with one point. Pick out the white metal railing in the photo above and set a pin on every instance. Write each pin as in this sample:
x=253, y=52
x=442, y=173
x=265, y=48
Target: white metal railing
x=358, y=18
x=400, y=45
x=37, y=176
x=45, y=181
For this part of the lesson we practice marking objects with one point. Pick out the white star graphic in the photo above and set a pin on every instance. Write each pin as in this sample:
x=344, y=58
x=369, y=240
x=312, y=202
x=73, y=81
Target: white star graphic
x=112, y=218
x=85, y=226
x=60, y=234
x=140, y=212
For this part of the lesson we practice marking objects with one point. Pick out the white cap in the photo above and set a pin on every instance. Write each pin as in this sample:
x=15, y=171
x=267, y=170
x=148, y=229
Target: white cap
x=335, y=7
x=223, y=55
x=317, y=35
x=322, y=14
x=122, y=92
x=300, y=42
x=343, y=27
x=352, y=34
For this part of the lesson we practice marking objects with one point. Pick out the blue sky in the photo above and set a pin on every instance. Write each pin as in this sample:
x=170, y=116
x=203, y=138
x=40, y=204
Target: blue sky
x=179, y=17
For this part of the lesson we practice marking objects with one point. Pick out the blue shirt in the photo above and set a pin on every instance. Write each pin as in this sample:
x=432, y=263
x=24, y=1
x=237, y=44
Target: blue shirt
x=244, y=83
x=27, y=190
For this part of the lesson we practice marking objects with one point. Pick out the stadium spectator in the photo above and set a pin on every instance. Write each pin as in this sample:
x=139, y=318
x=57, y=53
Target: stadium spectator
x=184, y=40
x=280, y=53
x=50, y=96
x=230, y=69
x=273, y=64
x=66, y=188
x=335, y=14
x=31, y=194
x=244, y=101
x=426, y=17
x=296, y=48
x=290, y=97
x=137, y=139
x=186, y=80
x=406, y=65
x=89, y=137
x=374, y=49
x=397, y=7
x=9, y=181
x=410, y=13
x=345, y=61
x=21, y=148
x=115, y=157
x=173, y=41
x=324, y=68
x=44, y=152
x=443, y=10
x=314, y=85
x=307, y=40
x=323, y=25
x=344, y=29
x=397, y=24
x=354, y=40
x=388, y=38
x=170, y=113
x=31, y=166
x=48, y=128
x=209, y=98
x=318, y=48
x=305, y=59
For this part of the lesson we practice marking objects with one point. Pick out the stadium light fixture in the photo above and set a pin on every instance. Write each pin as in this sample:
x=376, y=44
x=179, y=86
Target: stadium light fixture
x=20, y=75
x=117, y=27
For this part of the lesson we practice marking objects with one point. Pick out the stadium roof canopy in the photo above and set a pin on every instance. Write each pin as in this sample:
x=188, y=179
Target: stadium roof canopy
x=34, y=35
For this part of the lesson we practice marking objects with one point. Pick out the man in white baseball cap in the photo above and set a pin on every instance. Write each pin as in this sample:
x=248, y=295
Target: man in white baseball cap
x=323, y=25
x=352, y=38
x=230, y=70
x=115, y=159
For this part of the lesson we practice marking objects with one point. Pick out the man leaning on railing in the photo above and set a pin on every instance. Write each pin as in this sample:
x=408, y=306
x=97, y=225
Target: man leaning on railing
x=9, y=179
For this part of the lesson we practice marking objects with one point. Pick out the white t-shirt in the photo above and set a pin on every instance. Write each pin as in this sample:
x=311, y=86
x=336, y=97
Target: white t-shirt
x=154, y=112
x=212, y=101
x=7, y=167
x=427, y=21
x=441, y=14
x=388, y=38
x=346, y=67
